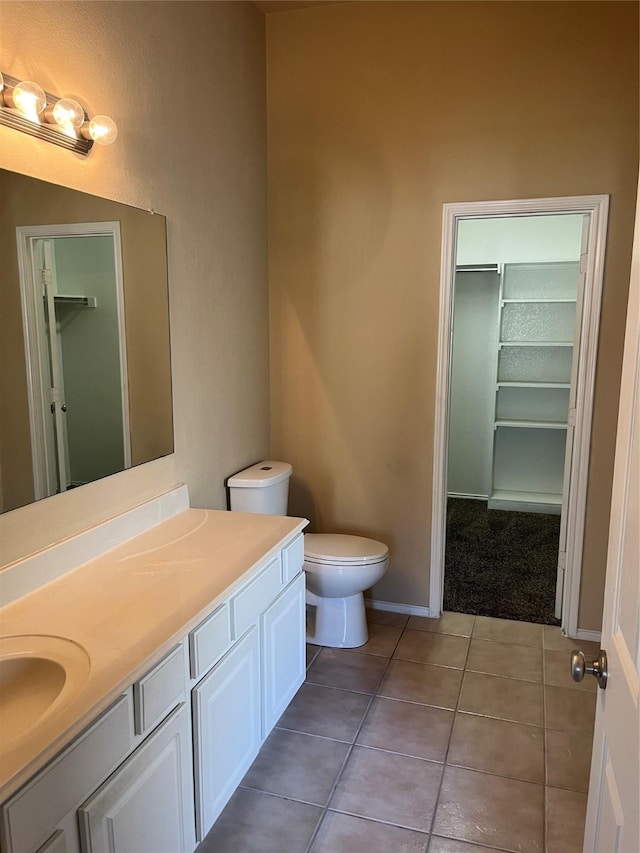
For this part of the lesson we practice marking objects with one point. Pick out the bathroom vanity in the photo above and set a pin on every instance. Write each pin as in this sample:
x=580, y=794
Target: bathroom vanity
x=194, y=636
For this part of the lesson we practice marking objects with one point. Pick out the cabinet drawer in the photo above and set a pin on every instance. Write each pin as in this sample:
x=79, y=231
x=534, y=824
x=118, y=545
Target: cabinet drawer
x=209, y=641
x=64, y=782
x=255, y=597
x=292, y=559
x=160, y=690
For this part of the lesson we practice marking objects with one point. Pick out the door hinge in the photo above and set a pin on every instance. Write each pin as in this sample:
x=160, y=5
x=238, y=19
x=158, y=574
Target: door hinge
x=571, y=419
x=583, y=263
x=45, y=281
x=562, y=560
x=54, y=395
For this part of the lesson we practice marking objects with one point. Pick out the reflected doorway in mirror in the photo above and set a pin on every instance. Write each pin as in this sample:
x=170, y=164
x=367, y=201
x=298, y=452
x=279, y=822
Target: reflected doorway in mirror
x=73, y=316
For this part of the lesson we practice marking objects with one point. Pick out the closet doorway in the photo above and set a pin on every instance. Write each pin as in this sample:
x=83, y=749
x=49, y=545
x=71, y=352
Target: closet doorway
x=519, y=311
x=72, y=297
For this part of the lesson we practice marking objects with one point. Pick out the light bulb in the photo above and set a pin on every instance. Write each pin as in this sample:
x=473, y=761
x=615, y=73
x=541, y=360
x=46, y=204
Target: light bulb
x=29, y=99
x=66, y=113
x=101, y=129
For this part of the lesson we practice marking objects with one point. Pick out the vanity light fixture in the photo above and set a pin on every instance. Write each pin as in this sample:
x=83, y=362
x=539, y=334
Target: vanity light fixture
x=25, y=106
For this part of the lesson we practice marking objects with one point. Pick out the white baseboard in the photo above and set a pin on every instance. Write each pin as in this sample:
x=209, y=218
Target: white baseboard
x=394, y=607
x=592, y=636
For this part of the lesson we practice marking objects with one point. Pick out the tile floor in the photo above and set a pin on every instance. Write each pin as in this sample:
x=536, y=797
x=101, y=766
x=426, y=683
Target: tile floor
x=462, y=734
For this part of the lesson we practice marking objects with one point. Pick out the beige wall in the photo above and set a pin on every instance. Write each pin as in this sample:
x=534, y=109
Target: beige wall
x=185, y=83
x=378, y=114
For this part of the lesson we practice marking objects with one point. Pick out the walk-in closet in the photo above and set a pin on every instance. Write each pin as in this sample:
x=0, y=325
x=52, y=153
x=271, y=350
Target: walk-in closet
x=512, y=388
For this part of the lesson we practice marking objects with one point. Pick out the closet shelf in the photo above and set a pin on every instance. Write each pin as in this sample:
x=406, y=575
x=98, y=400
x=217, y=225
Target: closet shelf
x=523, y=384
x=62, y=301
x=527, y=301
x=530, y=424
x=533, y=385
x=535, y=343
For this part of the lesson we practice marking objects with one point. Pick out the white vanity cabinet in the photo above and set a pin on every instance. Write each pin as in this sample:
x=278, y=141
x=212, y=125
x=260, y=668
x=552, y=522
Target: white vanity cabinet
x=146, y=806
x=56, y=844
x=155, y=770
x=42, y=815
x=239, y=701
x=150, y=791
x=284, y=659
x=226, y=727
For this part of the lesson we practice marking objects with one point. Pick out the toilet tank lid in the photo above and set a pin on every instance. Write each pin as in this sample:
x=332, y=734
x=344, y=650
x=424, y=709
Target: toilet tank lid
x=262, y=474
x=343, y=548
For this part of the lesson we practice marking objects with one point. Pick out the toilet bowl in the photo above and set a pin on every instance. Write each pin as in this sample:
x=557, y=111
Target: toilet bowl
x=338, y=569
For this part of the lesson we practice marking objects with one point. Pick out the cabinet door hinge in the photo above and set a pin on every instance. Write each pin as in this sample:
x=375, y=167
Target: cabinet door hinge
x=583, y=263
x=571, y=420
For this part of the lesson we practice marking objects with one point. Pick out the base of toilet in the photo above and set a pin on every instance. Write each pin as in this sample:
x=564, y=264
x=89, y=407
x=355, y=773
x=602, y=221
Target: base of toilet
x=340, y=623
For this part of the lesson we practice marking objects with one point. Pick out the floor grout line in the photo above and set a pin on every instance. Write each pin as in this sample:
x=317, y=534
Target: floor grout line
x=453, y=723
x=352, y=746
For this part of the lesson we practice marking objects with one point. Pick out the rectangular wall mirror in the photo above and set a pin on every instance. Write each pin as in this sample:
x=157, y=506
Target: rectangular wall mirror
x=85, y=362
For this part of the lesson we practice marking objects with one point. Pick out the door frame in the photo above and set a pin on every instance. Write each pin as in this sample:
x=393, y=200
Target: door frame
x=33, y=329
x=597, y=207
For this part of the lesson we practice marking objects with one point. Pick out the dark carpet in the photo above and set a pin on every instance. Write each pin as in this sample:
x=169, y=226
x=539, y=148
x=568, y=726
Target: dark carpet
x=500, y=563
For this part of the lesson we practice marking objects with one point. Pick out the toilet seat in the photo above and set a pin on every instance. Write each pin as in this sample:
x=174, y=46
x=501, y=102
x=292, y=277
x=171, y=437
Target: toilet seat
x=343, y=550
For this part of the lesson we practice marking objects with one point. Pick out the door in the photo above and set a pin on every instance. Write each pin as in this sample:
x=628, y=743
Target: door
x=571, y=424
x=613, y=823
x=73, y=316
x=57, y=474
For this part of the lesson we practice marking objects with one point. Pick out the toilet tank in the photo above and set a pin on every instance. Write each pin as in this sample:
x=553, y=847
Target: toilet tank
x=262, y=488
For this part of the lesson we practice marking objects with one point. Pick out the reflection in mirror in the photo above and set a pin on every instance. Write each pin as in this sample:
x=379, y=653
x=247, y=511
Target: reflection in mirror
x=72, y=298
x=85, y=381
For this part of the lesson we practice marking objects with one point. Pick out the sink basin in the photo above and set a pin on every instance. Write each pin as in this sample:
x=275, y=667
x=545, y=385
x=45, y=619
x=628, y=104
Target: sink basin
x=39, y=675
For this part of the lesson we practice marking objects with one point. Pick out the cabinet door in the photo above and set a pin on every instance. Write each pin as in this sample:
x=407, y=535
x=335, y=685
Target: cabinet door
x=283, y=651
x=56, y=844
x=146, y=806
x=226, y=727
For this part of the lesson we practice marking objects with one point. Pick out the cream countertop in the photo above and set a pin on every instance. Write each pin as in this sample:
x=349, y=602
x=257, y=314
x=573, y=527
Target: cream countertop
x=128, y=607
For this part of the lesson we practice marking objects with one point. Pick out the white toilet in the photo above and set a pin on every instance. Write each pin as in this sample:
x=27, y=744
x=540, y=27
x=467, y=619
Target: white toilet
x=338, y=567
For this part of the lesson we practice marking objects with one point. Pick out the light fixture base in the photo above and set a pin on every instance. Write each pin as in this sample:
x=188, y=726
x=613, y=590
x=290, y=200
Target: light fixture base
x=12, y=118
